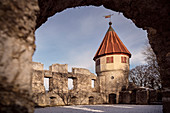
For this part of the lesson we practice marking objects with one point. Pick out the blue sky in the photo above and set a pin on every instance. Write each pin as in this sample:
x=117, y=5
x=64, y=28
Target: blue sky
x=73, y=36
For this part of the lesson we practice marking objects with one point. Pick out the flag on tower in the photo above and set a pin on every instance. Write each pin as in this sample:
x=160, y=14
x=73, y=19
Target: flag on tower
x=108, y=16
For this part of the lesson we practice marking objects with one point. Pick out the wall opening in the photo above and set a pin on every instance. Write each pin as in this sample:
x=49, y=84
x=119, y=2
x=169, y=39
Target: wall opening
x=75, y=43
x=91, y=100
x=52, y=100
x=112, y=98
x=92, y=83
x=70, y=83
x=76, y=34
x=74, y=100
x=47, y=84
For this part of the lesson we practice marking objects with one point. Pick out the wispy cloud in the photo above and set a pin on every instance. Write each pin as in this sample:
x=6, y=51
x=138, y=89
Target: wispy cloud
x=81, y=60
x=137, y=59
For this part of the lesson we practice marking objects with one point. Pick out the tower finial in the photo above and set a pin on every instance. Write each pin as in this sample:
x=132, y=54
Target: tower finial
x=110, y=23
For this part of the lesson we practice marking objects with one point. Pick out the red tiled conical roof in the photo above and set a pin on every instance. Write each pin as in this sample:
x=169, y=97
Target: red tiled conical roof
x=111, y=44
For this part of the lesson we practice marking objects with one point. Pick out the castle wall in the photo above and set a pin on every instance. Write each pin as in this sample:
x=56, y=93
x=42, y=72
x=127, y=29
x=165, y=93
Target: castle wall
x=81, y=71
x=125, y=97
x=82, y=92
x=38, y=81
x=37, y=66
x=60, y=68
x=142, y=97
x=58, y=75
x=60, y=83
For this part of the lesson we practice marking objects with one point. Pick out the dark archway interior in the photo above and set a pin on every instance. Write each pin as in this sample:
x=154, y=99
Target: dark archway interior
x=112, y=98
x=143, y=13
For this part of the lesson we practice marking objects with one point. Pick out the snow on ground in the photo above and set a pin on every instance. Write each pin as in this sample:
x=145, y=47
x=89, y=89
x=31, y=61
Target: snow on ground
x=119, y=108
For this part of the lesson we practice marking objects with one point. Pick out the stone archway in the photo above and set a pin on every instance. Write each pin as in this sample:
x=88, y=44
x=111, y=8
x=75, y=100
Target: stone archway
x=19, y=19
x=74, y=100
x=91, y=100
x=112, y=98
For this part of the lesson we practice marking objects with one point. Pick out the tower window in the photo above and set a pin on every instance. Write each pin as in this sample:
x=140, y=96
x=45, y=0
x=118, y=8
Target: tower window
x=109, y=59
x=98, y=62
x=123, y=59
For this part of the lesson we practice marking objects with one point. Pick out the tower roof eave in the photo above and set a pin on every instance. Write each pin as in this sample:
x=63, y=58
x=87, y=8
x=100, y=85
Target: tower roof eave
x=116, y=53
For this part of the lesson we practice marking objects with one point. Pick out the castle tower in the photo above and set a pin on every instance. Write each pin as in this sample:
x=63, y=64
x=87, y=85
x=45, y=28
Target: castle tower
x=112, y=66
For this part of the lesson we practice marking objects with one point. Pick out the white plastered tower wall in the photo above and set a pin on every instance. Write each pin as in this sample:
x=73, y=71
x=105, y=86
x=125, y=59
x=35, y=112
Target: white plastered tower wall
x=112, y=76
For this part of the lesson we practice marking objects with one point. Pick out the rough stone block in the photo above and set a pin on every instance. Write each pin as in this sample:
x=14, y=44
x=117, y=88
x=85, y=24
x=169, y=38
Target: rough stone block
x=81, y=71
x=125, y=97
x=41, y=100
x=47, y=74
x=166, y=106
x=60, y=68
x=133, y=97
x=152, y=96
x=142, y=97
x=38, y=82
x=37, y=66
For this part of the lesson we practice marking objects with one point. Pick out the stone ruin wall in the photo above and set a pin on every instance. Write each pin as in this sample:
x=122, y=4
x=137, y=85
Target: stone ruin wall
x=141, y=97
x=58, y=83
x=82, y=92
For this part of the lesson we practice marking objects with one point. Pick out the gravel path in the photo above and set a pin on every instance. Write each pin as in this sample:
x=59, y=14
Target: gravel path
x=119, y=108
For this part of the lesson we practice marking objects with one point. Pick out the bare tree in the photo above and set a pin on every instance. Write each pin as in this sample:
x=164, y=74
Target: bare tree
x=138, y=75
x=147, y=75
x=153, y=68
x=150, y=56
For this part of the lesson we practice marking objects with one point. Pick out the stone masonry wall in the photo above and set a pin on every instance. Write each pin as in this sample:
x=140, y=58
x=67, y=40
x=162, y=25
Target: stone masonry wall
x=82, y=91
x=142, y=97
x=125, y=97
x=37, y=66
x=17, y=26
x=81, y=71
x=60, y=68
x=58, y=89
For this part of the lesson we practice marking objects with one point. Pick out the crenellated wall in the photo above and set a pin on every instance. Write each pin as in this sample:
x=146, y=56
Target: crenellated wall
x=59, y=68
x=58, y=85
x=37, y=66
x=82, y=91
x=81, y=71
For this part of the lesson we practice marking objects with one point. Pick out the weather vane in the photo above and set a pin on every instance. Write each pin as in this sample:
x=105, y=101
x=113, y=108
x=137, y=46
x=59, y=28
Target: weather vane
x=109, y=16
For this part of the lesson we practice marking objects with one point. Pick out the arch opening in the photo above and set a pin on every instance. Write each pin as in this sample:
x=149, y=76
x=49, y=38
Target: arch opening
x=73, y=30
x=112, y=98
